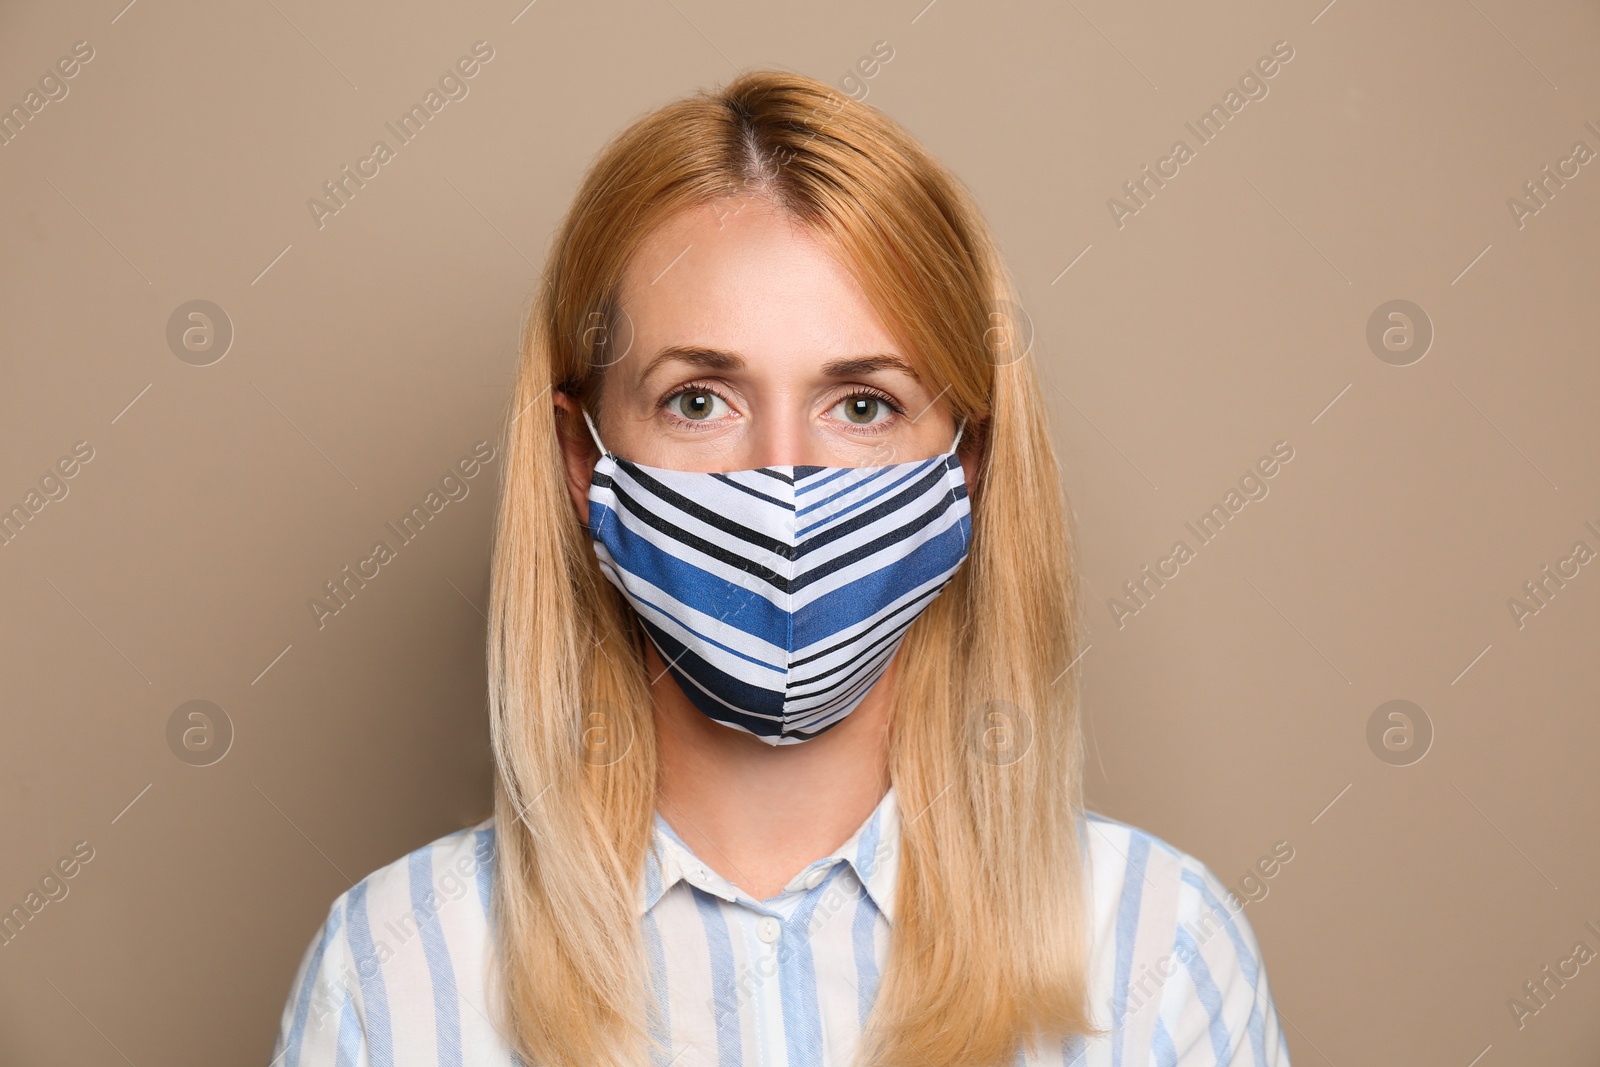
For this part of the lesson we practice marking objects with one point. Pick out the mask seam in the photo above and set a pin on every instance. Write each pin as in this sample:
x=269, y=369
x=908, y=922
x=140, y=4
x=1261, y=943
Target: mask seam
x=788, y=604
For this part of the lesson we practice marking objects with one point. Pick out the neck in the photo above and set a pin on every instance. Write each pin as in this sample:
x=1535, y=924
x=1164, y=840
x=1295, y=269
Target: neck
x=758, y=813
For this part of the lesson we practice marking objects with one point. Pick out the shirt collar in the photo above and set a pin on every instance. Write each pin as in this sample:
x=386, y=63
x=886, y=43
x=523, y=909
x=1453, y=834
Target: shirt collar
x=872, y=852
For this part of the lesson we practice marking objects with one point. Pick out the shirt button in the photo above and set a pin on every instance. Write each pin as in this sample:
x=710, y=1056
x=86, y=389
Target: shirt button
x=767, y=929
x=815, y=877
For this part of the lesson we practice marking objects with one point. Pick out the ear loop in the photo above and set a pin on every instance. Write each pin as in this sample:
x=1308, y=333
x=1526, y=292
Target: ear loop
x=596, y=435
x=594, y=432
x=958, y=471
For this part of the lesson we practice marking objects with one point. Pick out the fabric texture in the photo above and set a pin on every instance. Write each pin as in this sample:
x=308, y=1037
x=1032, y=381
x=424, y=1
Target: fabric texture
x=396, y=975
x=778, y=595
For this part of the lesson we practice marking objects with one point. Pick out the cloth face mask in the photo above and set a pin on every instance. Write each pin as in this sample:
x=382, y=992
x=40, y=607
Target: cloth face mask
x=777, y=595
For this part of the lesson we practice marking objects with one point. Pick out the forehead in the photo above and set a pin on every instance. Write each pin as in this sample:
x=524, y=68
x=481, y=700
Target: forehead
x=740, y=275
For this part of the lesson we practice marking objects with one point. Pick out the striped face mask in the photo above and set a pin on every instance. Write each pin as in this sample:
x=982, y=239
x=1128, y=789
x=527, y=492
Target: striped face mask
x=777, y=595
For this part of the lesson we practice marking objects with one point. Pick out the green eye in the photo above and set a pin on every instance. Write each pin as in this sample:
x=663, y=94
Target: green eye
x=867, y=408
x=696, y=404
x=862, y=409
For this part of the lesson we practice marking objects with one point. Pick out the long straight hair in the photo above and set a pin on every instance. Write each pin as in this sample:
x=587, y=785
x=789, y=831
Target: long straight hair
x=989, y=943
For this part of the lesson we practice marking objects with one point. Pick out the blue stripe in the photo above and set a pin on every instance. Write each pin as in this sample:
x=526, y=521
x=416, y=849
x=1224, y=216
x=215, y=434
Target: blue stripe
x=1206, y=989
x=661, y=1013
x=867, y=845
x=666, y=570
x=425, y=906
x=373, y=994
x=724, y=988
x=854, y=602
x=349, y=1053
x=652, y=866
x=865, y=948
x=1127, y=932
x=751, y=707
x=308, y=985
x=693, y=587
x=1161, y=1049
x=1247, y=964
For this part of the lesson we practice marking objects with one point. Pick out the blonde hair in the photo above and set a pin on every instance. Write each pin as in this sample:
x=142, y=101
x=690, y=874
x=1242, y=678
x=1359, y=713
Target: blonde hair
x=989, y=944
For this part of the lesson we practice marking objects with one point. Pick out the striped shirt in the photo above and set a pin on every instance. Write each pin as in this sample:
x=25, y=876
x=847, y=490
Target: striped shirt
x=396, y=975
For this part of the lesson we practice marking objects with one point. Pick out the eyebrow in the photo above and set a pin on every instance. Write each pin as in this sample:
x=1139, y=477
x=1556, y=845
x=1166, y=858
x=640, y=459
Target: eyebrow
x=716, y=359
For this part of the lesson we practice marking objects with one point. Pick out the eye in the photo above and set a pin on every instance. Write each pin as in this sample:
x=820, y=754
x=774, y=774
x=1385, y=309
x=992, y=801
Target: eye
x=866, y=409
x=696, y=404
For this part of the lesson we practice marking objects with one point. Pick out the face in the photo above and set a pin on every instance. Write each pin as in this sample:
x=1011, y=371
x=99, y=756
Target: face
x=752, y=346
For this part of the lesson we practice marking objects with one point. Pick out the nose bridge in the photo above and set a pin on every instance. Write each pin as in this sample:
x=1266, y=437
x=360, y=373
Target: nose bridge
x=787, y=439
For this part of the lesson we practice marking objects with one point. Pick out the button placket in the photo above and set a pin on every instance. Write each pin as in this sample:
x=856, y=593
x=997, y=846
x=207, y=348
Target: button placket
x=765, y=964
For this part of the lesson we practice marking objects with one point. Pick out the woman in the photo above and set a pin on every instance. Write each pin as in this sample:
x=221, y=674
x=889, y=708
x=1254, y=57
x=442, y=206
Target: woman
x=782, y=654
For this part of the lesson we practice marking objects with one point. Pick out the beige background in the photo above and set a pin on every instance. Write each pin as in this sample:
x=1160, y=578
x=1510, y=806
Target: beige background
x=1228, y=314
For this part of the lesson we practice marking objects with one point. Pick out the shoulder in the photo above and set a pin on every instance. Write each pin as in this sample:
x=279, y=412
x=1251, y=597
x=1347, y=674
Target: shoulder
x=1177, y=969
x=426, y=882
x=388, y=945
